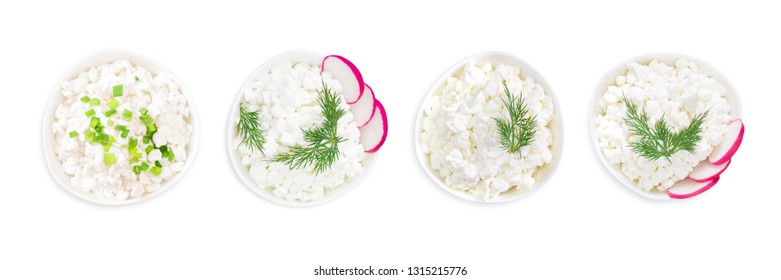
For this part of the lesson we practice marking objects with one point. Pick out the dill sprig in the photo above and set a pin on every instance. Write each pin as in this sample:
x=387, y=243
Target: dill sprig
x=322, y=150
x=659, y=140
x=517, y=131
x=249, y=129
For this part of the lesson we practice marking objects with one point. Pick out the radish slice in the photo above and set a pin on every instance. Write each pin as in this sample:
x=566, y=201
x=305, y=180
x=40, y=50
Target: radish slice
x=363, y=110
x=347, y=74
x=373, y=133
x=687, y=188
x=724, y=151
x=705, y=171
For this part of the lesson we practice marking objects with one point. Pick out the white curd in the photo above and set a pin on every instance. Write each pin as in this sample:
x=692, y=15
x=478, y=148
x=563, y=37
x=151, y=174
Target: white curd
x=459, y=137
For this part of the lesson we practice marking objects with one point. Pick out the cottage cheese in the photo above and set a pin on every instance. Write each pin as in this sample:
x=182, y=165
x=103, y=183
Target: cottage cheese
x=676, y=93
x=84, y=163
x=459, y=137
x=286, y=99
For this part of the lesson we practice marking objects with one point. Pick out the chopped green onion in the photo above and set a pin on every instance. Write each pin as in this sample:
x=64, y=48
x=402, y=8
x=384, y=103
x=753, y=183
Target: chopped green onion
x=149, y=122
x=94, y=122
x=107, y=145
x=145, y=139
x=104, y=139
x=144, y=166
x=146, y=119
x=110, y=123
x=167, y=153
x=94, y=102
x=90, y=113
x=127, y=115
x=136, y=170
x=132, y=145
x=89, y=136
x=149, y=149
x=136, y=77
x=134, y=156
x=118, y=89
x=151, y=129
x=111, y=112
x=124, y=133
x=73, y=134
x=143, y=111
x=113, y=104
x=158, y=164
x=84, y=99
x=156, y=171
x=109, y=159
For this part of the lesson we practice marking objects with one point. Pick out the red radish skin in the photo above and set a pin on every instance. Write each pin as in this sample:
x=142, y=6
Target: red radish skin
x=688, y=188
x=347, y=74
x=363, y=110
x=706, y=171
x=373, y=134
x=724, y=151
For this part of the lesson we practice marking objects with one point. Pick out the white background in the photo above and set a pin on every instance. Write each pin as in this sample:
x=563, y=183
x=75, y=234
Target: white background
x=581, y=224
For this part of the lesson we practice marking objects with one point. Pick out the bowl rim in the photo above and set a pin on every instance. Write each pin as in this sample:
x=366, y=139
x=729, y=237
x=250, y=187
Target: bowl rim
x=608, y=79
x=296, y=55
x=107, y=56
x=556, y=126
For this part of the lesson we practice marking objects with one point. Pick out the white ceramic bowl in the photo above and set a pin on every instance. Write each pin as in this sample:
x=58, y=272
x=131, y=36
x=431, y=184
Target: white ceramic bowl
x=542, y=174
x=56, y=99
x=609, y=79
x=294, y=56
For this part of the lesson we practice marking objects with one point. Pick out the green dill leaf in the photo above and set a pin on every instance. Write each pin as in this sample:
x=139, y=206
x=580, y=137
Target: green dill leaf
x=322, y=149
x=517, y=131
x=660, y=141
x=249, y=129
